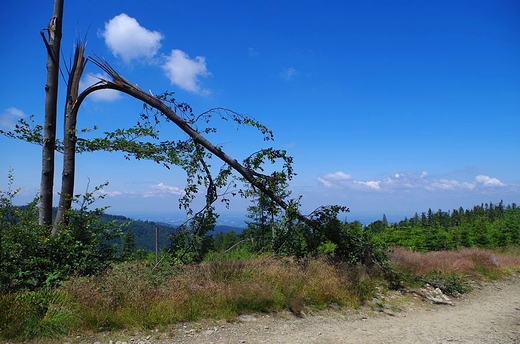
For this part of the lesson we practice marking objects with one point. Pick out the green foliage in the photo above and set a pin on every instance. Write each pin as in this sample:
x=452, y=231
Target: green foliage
x=449, y=283
x=190, y=243
x=264, y=213
x=142, y=142
x=325, y=233
x=484, y=226
x=30, y=258
x=225, y=240
x=41, y=314
x=143, y=232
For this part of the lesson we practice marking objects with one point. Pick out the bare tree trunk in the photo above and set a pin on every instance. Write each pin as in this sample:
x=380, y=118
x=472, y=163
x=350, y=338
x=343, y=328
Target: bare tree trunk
x=51, y=98
x=69, y=140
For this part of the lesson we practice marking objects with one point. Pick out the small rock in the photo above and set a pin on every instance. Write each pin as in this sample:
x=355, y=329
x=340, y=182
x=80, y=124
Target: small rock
x=246, y=317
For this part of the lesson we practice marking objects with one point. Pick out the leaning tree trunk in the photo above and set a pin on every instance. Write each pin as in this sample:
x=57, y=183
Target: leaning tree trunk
x=51, y=99
x=69, y=140
x=120, y=84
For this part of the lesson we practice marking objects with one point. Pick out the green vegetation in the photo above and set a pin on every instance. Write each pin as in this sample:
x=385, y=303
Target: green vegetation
x=486, y=226
x=32, y=259
x=92, y=277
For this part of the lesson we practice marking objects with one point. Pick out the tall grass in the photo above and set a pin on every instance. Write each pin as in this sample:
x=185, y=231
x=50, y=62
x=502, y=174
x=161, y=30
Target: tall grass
x=450, y=270
x=36, y=314
x=133, y=296
x=468, y=261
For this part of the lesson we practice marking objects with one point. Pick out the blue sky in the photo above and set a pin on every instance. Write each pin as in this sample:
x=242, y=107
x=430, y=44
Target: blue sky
x=387, y=107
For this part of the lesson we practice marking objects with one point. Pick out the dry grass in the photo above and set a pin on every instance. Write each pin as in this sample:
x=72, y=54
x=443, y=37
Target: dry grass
x=468, y=261
x=133, y=296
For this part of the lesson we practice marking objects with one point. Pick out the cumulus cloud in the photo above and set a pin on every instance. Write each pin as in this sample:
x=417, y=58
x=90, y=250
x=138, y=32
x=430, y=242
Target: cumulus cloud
x=185, y=72
x=407, y=181
x=488, y=181
x=288, y=73
x=333, y=179
x=127, y=39
x=158, y=190
x=130, y=41
x=102, y=95
x=445, y=184
x=373, y=185
x=162, y=190
x=9, y=117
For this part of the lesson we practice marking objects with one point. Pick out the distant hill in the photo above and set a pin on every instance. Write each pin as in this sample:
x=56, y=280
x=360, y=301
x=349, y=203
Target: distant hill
x=144, y=231
x=225, y=229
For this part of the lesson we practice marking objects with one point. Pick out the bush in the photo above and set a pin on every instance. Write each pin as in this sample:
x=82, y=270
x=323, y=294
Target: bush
x=31, y=259
x=449, y=283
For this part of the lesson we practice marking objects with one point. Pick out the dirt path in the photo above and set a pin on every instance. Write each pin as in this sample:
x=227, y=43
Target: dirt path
x=489, y=314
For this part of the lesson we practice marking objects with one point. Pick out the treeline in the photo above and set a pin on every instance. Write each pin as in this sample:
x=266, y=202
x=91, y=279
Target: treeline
x=487, y=226
x=141, y=234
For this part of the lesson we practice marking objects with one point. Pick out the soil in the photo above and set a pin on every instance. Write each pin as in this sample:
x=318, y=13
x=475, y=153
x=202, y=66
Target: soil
x=489, y=314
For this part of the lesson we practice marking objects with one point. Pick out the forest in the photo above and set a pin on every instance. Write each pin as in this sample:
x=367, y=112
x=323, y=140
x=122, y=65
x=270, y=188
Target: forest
x=485, y=226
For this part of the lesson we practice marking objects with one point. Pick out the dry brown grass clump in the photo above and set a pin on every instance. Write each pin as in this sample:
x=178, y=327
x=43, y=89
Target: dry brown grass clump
x=467, y=261
x=135, y=296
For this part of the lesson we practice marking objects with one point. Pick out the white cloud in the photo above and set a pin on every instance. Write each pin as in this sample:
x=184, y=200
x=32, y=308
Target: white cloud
x=401, y=181
x=105, y=193
x=288, y=73
x=162, y=190
x=407, y=181
x=488, y=181
x=159, y=190
x=127, y=39
x=326, y=183
x=102, y=95
x=252, y=52
x=9, y=117
x=445, y=184
x=332, y=179
x=114, y=193
x=185, y=72
x=373, y=185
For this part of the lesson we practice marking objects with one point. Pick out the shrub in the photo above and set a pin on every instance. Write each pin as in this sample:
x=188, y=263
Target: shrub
x=31, y=259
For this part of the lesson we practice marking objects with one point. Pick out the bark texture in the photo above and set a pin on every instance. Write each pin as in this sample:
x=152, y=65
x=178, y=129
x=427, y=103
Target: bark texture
x=69, y=140
x=52, y=43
